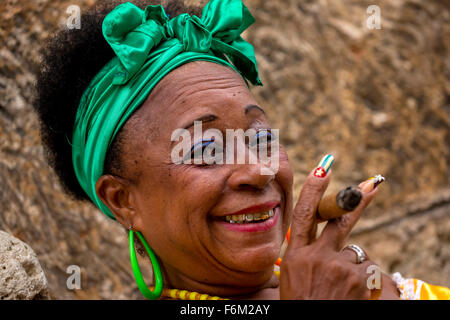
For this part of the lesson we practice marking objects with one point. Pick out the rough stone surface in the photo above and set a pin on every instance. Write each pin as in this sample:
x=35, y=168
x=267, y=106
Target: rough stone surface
x=379, y=100
x=21, y=275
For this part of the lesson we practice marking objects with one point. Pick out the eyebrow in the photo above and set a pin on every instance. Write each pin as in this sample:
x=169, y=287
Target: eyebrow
x=212, y=117
x=253, y=106
x=205, y=118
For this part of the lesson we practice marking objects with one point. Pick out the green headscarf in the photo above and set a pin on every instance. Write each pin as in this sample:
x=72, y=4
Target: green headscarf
x=148, y=46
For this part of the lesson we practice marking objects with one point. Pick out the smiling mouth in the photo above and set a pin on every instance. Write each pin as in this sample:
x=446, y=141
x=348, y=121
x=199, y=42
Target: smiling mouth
x=249, y=217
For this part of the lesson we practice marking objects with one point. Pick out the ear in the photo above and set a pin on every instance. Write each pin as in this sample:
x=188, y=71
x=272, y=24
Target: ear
x=115, y=193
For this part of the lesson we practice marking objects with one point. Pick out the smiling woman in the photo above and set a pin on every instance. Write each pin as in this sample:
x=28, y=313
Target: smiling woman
x=130, y=78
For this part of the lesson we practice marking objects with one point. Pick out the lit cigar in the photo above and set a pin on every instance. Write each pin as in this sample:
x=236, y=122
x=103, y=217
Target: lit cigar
x=339, y=203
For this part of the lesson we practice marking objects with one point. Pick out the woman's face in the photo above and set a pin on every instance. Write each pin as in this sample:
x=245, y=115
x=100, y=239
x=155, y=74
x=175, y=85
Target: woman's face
x=181, y=208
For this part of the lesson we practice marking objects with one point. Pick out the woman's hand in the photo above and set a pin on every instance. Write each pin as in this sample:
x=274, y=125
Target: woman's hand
x=316, y=268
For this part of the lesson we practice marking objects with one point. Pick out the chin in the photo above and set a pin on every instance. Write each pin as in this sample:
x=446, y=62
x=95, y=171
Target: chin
x=258, y=260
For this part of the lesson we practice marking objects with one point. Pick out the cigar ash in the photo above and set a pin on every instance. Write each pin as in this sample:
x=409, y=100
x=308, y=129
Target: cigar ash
x=349, y=198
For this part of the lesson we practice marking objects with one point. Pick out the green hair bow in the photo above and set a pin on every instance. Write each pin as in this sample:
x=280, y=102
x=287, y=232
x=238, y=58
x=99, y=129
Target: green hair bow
x=148, y=45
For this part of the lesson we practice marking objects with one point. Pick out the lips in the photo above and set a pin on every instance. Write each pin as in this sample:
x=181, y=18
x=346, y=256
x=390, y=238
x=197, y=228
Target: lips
x=255, y=218
x=256, y=209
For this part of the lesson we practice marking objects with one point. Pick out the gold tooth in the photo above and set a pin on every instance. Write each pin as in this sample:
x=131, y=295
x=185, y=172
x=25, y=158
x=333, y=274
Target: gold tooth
x=241, y=218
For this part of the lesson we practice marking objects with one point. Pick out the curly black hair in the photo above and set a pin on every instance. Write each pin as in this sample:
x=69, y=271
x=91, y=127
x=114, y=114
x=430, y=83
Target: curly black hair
x=70, y=60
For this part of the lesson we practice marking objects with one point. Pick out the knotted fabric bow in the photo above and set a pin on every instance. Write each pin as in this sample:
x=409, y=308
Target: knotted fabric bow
x=148, y=45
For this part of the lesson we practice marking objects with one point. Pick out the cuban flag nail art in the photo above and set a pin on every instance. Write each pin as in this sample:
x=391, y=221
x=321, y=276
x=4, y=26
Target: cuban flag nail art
x=324, y=166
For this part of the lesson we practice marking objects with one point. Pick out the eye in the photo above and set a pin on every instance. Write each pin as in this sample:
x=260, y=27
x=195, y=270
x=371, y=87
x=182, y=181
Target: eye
x=262, y=136
x=198, y=150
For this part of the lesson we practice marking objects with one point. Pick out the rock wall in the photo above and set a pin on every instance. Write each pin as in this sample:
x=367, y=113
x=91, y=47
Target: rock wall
x=21, y=275
x=379, y=100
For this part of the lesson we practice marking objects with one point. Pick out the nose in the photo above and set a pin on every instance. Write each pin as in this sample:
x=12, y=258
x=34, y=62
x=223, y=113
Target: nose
x=249, y=174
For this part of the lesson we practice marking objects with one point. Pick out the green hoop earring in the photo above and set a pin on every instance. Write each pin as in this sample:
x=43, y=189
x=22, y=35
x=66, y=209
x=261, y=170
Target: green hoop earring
x=146, y=292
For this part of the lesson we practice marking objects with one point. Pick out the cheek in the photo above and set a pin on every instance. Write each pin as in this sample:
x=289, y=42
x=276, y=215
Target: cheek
x=285, y=175
x=285, y=178
x=199, y=188
x=180, y=233
x=175, y=206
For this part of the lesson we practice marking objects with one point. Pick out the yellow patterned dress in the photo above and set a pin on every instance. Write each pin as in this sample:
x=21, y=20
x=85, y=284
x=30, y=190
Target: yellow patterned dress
x=414, y=289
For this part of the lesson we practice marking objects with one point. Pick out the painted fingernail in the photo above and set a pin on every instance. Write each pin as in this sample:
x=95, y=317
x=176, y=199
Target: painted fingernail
x=378, y=179
x=371, y=183
x=324, y=166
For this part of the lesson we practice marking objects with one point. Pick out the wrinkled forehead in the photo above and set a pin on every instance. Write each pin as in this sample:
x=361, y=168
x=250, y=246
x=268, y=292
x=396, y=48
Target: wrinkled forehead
x=195, y=77
x=194, y=89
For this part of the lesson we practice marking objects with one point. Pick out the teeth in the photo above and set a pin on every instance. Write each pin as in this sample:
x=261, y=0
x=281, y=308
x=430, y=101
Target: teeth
x=250, y=217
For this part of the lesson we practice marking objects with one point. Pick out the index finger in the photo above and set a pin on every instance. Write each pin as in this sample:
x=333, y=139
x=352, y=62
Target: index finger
x=304, y=217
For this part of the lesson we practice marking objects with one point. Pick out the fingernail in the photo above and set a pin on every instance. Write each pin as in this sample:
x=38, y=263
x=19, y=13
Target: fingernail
x=371, y=183
x=324, y=166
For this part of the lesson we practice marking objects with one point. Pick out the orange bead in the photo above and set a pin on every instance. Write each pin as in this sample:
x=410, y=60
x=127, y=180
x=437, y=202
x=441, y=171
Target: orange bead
x=278, y=262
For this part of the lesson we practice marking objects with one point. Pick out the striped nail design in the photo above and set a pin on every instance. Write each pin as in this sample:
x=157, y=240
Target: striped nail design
x=324, y=166
x=371, y=183
x=377, y=180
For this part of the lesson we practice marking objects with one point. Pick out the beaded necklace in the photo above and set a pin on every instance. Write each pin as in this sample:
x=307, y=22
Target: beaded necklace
x=192, y=295
x=186, y=295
